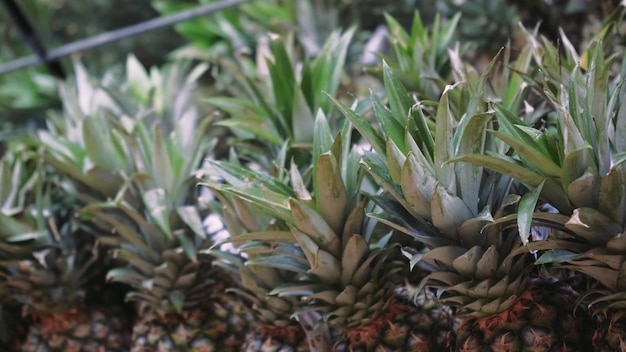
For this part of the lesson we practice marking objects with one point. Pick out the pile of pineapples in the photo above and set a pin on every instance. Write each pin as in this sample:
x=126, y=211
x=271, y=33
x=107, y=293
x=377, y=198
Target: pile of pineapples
x=452, y=210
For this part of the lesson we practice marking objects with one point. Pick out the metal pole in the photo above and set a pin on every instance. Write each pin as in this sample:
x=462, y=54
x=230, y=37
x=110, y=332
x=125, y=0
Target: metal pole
x=122, y=33
x=31, y=36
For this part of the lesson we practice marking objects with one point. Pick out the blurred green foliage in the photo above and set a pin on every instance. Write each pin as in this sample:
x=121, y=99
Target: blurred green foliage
x=25, y=95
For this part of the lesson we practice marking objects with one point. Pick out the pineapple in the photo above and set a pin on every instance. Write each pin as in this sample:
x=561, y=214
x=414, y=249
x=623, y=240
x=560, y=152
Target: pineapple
x=584, y=159
x=48, y=268
x=157, y=228
x=130, y=151
x=272, y=123
x=274, y=330
x=16, y=183
x=347, y=276
x=463, y=214
x=181, y=299
x=51, y=285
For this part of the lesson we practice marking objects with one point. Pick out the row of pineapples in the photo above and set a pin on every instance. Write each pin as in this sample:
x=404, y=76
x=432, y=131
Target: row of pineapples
x=472, y=211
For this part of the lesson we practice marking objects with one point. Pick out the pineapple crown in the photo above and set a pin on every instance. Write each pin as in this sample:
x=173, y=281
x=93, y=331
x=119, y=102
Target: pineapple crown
x=583, y=145
x=465, y=215
x=416, y=166
x=581, y=158
x=277, y=97
x=322, y=233
x=241, y=217
x=160, y=242
x=132, y=155
x=46, y=260
x=420, y=57
x=108, y=134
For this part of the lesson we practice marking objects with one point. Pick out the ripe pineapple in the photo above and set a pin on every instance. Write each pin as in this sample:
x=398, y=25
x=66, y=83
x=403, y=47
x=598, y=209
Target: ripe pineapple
x=155, y=226
x=273, y=330
x=587, y=179
x=15, y=184
x=130, y=151
x=47, y=268
x=181, y=299
x=346, y=276
x=463, y=214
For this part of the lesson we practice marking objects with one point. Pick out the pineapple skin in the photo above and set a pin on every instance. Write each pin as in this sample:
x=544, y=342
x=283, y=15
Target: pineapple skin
x=544, y=318
x=276, y=339
x=77, y=330
x=610, y=335
x=422, y=325
x=215, y=326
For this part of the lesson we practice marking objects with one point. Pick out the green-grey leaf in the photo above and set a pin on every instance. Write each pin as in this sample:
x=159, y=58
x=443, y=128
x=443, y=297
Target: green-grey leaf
x=448, y=212
x=534, y=156
x=331, y=196
x=417, y=186
x=592, y=225
x=363, y=126
x=157, y=206
x=525, y=212
x=354, y=252
x=556, y=256
x=190, y=215
x=399, y=99
x=313, y=224
x=280, y=262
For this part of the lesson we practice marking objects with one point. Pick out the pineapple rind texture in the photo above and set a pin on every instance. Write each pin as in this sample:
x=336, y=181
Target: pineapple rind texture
x=544, y=318
x=416, y=321
x=79, y=329
x=214, y=326
x=287, y=339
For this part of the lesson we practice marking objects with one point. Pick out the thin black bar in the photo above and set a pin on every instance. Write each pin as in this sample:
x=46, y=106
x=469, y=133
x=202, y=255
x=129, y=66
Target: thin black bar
x=28, y=31
x=118, y=34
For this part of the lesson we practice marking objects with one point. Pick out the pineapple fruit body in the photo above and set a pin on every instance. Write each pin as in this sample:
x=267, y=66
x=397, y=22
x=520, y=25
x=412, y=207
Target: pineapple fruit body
x=276, y=339
x=544, y=318
x=425, y=326
x=80, y=329
x=610, y=335
x=347, y=282
x=213, y=326
x=65, y=312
